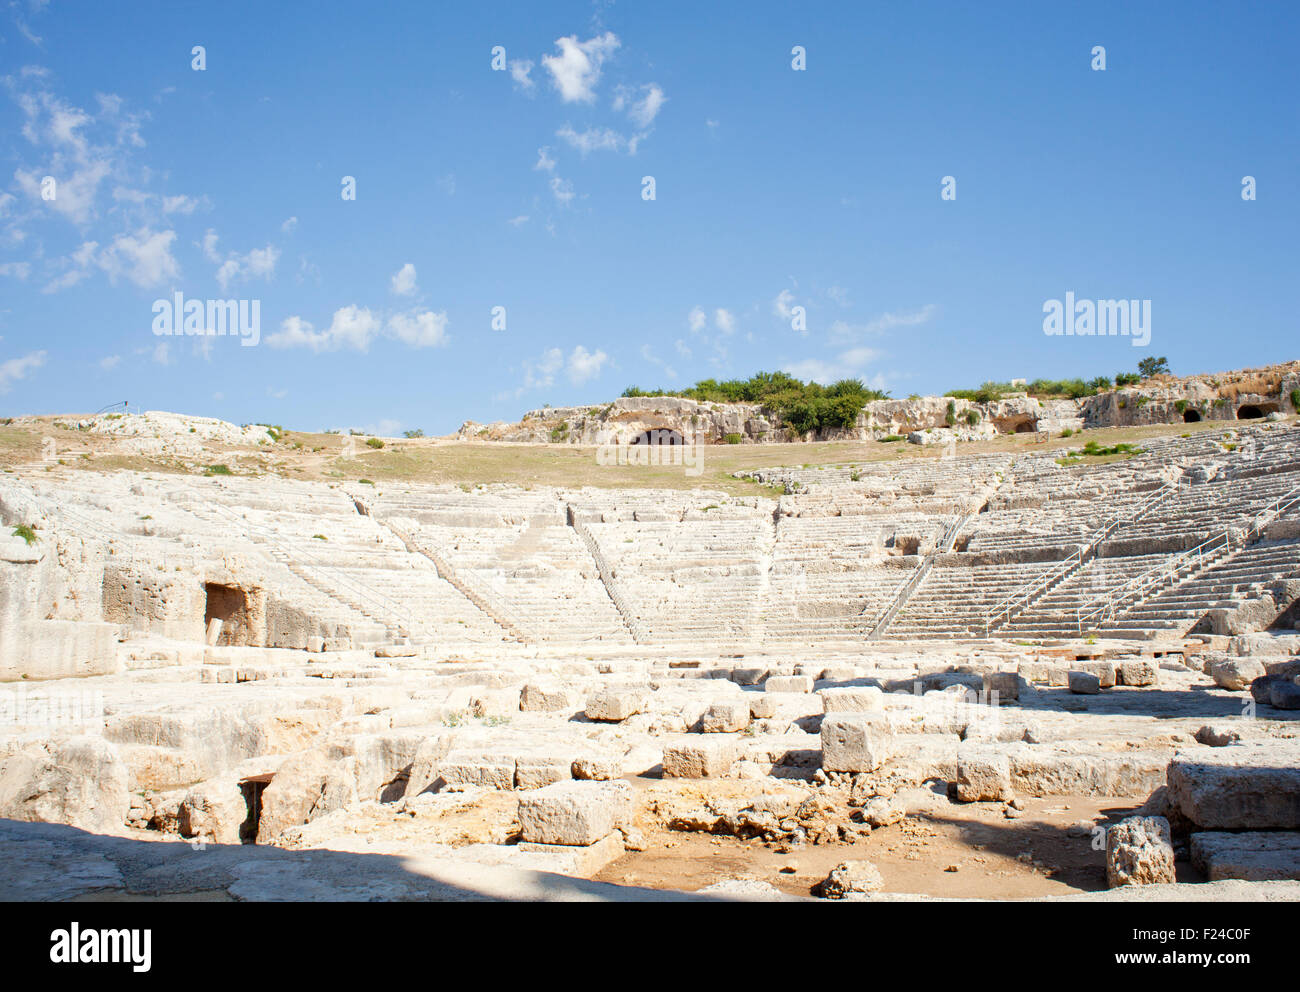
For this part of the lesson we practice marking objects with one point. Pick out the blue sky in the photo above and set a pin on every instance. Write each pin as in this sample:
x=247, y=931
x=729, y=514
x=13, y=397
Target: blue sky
x=522, y=189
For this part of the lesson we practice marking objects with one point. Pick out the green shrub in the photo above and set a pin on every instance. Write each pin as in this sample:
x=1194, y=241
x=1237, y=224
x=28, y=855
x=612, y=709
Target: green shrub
x=855, y=476
x=891, y=438
x=414, y=433
x=1067, y=432
x=972, y=417
x=1180, y=406
x=560, y=433
x=1127, y=379
x=1295, y=399
x=218, y=470
x=319, y=537
x=26, y=533
x=950, y=418
x=374, y=442
x=365, y=482
x=733, y=438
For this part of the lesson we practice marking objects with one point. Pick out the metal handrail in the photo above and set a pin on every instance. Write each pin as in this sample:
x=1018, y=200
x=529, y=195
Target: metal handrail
x=1069, y=563
x=909, y=585
x=1153, y=576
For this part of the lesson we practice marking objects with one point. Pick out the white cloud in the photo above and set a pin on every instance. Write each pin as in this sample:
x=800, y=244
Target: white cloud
x=419, y=329
x=843, y=331
x=562, y=189
x=576, y=70
x=594, y=139
x=517, y=221
x=162, y=353
x=145, y=258
x=544, y=161
x=353, y=327
x=781, y=305
x=724, y=320
x=839, y=294
x=289, y=225
x=846, y=365
x=697, y=319
x=642, y=112
x=519, y=72
x=109, y=362
x=256, y=264
x=181, y=204
x=15, y=270
x=17, y=368
x=403, y=282
x=585, y=365
x=540, y=373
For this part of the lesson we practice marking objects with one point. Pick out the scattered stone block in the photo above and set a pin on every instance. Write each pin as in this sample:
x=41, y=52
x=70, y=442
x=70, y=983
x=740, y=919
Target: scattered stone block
x=1236, y=674
x=536, y=697
x=748, y=676
x=461, y=768
x=596, y=768
x=761, y=706
x=983, y=775
x=851, y=877
x=726, y=717
x=1139, y=851
x=574, y=814
x=1254, y=856
x=852, y=699
x=855, y=742
x=1084, y=683
x=615, y=705
x=697, y=758
x=1218, y=735
x=788, y=683
x=1138, y=672
x=1005, y=684
x=536, y=771
x=1284, y=695
x=1240, y=787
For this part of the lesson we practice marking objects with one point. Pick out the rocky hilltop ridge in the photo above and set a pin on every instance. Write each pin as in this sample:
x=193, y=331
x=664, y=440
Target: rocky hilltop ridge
x=1244, y=394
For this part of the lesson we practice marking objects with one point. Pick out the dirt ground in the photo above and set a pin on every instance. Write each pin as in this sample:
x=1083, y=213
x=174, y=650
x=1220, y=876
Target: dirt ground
x=948, y=850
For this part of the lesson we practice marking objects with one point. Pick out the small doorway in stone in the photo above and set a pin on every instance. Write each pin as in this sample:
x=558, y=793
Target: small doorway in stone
x=225, y=617
x=1191, y=416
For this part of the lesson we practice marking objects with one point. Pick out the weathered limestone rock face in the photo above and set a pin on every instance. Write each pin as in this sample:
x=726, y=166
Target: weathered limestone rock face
x=214, y=811
x=923, y=419
x=307, y=785
x=81, y=781
x=1239, y=787
x=574, y=813
x=1139, y=852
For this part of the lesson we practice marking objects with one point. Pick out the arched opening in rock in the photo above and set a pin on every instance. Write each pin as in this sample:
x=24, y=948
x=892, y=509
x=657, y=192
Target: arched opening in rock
x=1253, y=411
x=225, y=618
x=1191, y=416
x=658, y=436
x=1026, y=427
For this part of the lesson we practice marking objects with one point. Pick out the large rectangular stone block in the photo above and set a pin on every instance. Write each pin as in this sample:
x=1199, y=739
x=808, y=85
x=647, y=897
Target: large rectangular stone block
x=1239, y=787
x=852, y=699
x=574, y=813
x=855, y=742
x=710, y=757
